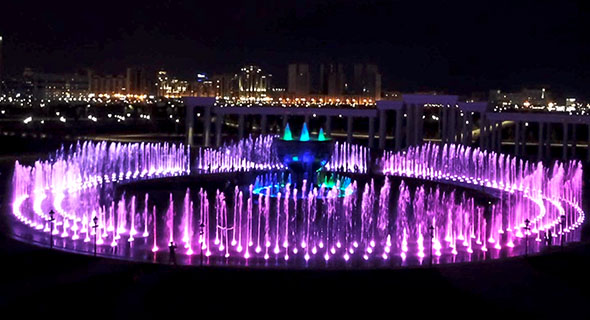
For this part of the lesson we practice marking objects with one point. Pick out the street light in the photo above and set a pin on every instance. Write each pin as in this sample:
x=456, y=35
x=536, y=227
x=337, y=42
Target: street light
x=562, y=231
x=526, y=236
x=51, y=219
x=95, y=226
x=201, y=231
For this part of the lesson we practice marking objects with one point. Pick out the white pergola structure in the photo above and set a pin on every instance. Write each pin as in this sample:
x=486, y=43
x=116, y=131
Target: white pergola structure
x=401, y=123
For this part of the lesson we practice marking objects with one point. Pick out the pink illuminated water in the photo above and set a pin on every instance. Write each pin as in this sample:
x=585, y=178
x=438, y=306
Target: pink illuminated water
x=382, y=218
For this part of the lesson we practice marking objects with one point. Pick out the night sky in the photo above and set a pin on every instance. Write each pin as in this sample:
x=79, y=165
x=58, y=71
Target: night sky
x=458, y=47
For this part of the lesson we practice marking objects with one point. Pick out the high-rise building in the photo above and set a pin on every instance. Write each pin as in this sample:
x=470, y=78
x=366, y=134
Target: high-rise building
x=109, y=84
x=332, y=79
x=525, y=98
x=170, y=86
x=51, y=86
x=366, y=81
x=162, y=83
x=253, y=83
x=201, y=87
x=335, y=80
x=136, y=81
x=226, y=85
x=299, y=79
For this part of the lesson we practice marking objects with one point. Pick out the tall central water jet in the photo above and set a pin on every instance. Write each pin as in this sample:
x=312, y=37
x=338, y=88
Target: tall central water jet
x=287, y=136
x=322, y=136
x=304, y=133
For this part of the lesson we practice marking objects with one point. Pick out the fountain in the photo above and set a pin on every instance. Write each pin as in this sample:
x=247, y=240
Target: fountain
x=303, y=157
x=334, y=207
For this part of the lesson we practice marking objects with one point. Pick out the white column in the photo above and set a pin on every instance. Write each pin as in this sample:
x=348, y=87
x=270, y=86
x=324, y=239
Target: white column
x=218, y=124
x=482, y=131
x=440, y=124
x=416, y=127
x=349, y=129
x=417, y=117
x=574, y=142
x=516, y=138
x=417, y=124
x=453, y=124
x=190, y=124
x=499, y=139
x=398, y=129
x=470, y=129
x=382, y=131
x=464, y=129
x=207, y=127
x=241, y=126
x=445, y=124
x=541, y=142
x=263, y=124
x=420, y=124
x=371, y=131
x=408, y=125
x=523, y=141
x=565, y=140
x=494, y=135
x=548, y=141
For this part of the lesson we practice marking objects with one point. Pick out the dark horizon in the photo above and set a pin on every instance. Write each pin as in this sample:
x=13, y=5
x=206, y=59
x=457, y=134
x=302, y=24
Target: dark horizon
x=458, y=47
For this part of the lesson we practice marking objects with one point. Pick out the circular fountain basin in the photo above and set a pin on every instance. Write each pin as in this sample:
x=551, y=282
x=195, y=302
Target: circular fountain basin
x=144, y=197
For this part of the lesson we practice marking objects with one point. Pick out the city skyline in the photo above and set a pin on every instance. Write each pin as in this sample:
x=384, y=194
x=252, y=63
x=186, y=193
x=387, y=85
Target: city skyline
x=460, y=45
x=336, y=82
